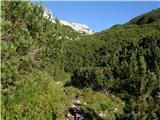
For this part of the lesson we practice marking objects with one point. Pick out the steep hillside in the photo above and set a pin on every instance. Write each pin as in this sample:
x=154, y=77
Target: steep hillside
x=148, y=18
x=123, y=60
x=33, y=82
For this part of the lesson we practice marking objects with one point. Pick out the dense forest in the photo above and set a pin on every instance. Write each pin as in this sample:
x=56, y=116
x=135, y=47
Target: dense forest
x=49, y=74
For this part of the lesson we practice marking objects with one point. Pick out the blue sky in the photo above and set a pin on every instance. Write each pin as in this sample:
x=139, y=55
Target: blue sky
x=99, y=15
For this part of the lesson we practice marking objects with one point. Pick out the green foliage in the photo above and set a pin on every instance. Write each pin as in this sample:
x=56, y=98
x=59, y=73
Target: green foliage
x=38, y=97
x=125, y=61
x=97, y=102
x=30, y=47
x=96, y=77
x=40, y=58
x=147, y=18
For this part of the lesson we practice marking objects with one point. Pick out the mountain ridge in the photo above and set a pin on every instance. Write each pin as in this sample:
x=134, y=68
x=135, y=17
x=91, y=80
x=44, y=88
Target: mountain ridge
x=81, y=28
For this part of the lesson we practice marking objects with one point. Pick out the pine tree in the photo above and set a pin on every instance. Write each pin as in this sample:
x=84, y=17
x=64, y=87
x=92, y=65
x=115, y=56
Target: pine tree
x=142, y=73
x=141, y=78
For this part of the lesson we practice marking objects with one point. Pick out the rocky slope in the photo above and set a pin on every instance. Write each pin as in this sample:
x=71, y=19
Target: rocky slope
x=75, y=26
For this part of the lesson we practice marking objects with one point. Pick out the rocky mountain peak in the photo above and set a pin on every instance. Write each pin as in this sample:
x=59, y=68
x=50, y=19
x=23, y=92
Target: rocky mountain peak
x=81, y=28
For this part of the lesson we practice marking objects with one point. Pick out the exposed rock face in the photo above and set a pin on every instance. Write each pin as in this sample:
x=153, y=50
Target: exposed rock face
x=75, y=26
x=48, y=14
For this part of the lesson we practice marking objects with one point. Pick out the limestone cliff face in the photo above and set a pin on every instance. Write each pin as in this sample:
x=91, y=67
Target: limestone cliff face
x=75, y=26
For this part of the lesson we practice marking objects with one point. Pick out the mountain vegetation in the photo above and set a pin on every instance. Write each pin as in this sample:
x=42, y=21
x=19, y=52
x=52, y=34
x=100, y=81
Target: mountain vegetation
x=49, y=71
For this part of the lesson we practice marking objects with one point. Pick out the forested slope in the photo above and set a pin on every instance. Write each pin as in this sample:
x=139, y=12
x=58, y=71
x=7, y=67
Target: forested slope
x=124, y=60
x=46, y=67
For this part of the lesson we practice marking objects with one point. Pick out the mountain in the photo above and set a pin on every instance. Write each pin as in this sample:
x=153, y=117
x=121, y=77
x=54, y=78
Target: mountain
x=124, y=60
x=49, y=71
x=75, y=26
